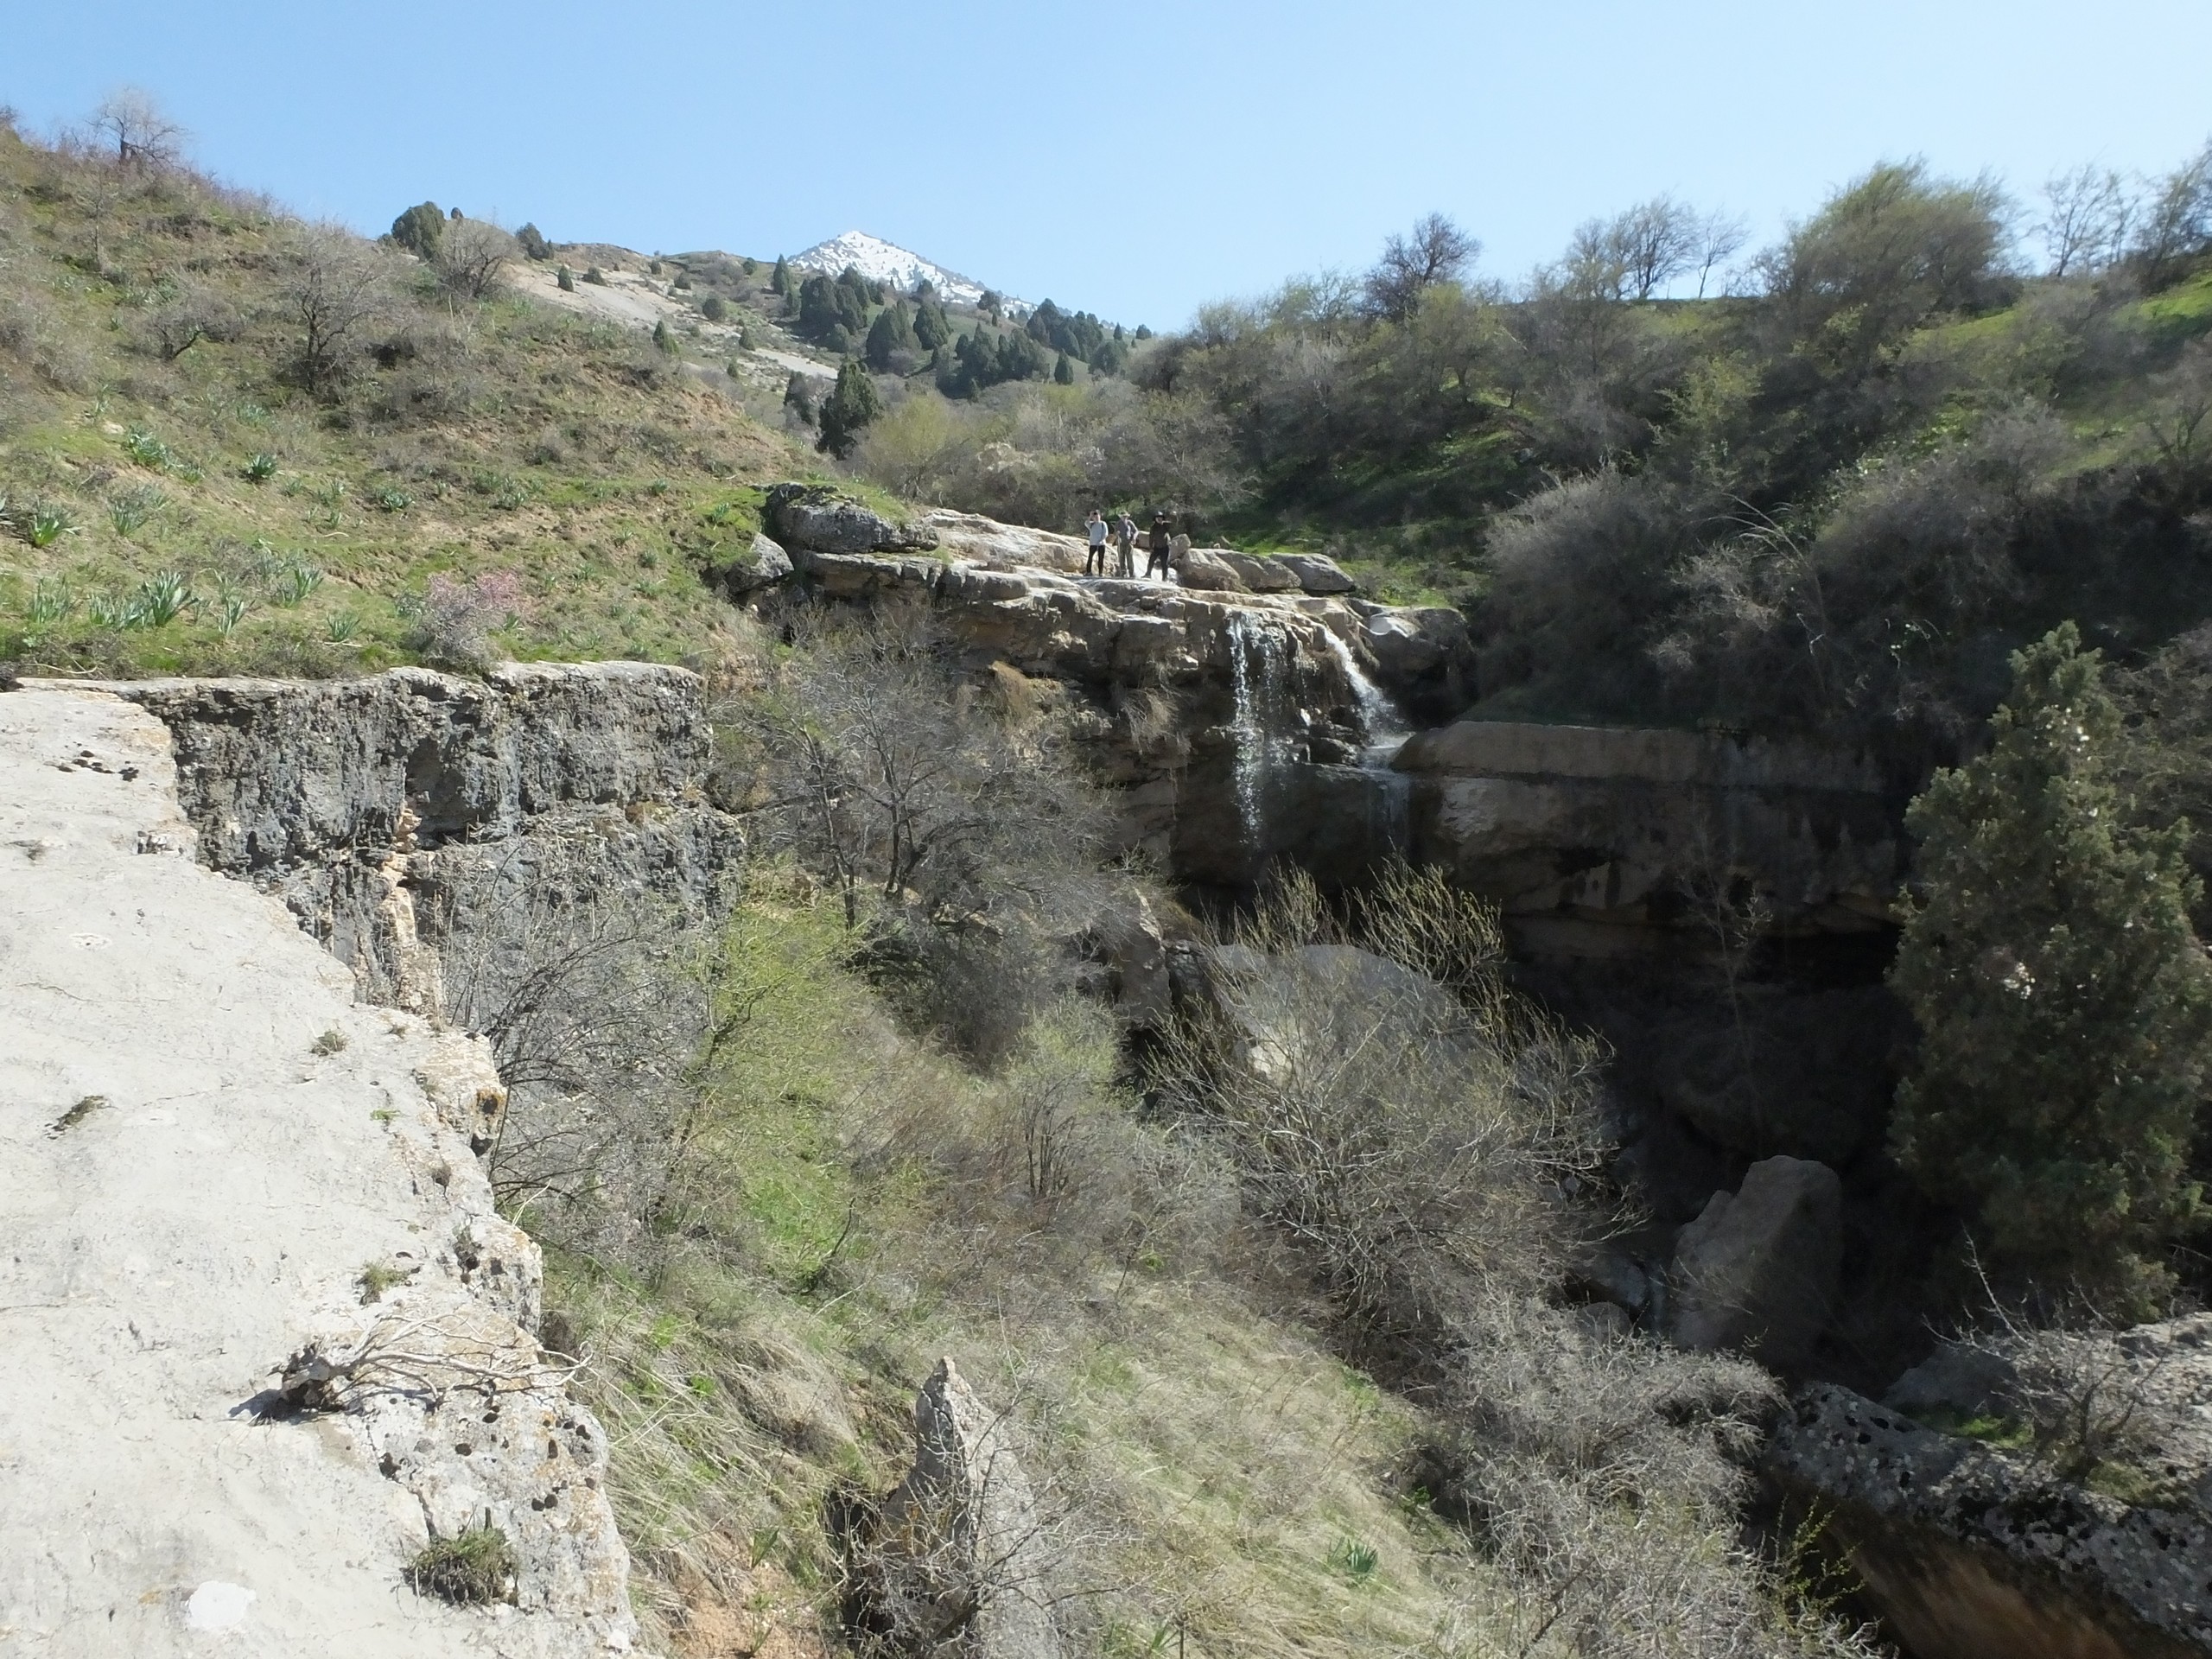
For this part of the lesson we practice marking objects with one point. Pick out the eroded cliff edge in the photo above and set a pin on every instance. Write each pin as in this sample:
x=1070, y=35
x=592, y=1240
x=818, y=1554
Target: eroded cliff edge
x=265, y=1337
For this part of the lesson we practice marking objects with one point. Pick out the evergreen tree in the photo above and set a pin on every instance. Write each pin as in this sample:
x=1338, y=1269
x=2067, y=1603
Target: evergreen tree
x=533, y=243
x=851, y=405
x=713, y=307
x=420, y=229
x=931, y=328
x=891, y=332
x=851, y=293
x=1063, y=371
x=565, y=280
x=799, y=398
x=2065, y=1008
x=663, y=338
x=817, y=306
x=780, y=281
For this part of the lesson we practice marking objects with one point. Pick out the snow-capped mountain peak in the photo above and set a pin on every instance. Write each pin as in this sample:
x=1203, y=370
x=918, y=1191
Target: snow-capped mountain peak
x=886, y=262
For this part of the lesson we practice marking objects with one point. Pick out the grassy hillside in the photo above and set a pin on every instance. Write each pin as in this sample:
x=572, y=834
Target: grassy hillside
x=178, y=500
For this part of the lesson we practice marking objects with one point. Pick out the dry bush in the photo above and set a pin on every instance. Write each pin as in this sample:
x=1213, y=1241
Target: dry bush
x=1412, y=1126
x=471, y=259
x=454, y=619
x=334, y=289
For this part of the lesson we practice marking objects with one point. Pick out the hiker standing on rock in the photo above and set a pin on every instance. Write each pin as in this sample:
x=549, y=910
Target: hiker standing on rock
x=1125, y=543
x=1094, y=562
x=1155, y=549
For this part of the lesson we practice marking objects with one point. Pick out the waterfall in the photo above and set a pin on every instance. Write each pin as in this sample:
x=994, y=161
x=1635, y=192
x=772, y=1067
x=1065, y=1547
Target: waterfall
x=1255, y=676
x=1379, y=723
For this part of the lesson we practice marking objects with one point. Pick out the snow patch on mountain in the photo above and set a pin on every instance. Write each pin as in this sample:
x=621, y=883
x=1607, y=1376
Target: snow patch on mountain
x=888, y=263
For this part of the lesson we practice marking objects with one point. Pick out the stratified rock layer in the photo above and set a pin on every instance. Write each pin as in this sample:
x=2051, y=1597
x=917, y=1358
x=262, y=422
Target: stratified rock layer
x=214, y=1160
x=390, y=811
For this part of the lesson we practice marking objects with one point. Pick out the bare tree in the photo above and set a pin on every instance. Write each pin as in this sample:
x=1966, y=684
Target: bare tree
x=142, y=135
x=2086, y=220
x=1654, y=241
x=471, y=257
x=2177, y=221
x=336, y=289
x=1435, y=251
x=1719, y=236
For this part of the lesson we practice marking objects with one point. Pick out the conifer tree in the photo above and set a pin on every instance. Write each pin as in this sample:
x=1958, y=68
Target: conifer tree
x=780, y=281
x=931, y=328
x=891, y=332
x=663, y=338
x=420, y=229
x=852, y=404
x=2065, y=1008
x=1063, y=371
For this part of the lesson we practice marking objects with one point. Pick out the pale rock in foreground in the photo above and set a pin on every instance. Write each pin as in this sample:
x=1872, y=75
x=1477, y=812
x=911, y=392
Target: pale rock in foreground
x=205, y=1141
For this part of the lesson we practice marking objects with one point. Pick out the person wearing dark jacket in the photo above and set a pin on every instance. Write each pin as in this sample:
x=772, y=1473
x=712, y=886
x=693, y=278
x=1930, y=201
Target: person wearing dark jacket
x=1156, y=547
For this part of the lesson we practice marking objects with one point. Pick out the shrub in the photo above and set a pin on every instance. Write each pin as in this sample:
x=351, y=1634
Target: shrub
x=1395, y=1110
x=454, y=619
x=471, y=259
x=713, y=307
x=593, y=273
x=2065, y=1008
x=663, y=338
x=533, y=244
x=473, y=1569
x=565, y=280
x=259, y=468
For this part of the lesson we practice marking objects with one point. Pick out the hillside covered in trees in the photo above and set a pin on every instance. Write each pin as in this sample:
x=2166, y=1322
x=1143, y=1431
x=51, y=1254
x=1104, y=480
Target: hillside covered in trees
x=1929, y=424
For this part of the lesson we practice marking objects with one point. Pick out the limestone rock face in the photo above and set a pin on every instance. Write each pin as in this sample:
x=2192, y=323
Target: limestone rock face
x=1207, y=570
x=956, y=1542
x=390, y=813
x=1267, y=694
x=1972, y=1553
x=233, y=1191
x=822, y=520
x=1603, y=841
x=1757, y=1272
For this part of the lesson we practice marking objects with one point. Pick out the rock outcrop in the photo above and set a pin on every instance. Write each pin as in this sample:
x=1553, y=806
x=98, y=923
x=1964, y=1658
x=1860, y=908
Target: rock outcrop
x=1972, y=1553
x=1270, y=700
x=263, y=1335
x=1602, y=841
x=393, y=813
x=1757, y=1272
x=952, y=1561
x=823, y=520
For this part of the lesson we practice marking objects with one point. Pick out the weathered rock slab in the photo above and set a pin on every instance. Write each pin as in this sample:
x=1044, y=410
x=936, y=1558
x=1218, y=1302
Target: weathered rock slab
x=205, y=1144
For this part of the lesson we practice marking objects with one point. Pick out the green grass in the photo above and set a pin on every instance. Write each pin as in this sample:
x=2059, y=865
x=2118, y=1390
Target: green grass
x=475, y=1569
x=546, y=450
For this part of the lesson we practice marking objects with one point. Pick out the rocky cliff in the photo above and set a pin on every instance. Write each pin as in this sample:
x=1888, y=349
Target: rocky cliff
x=393, y=813
x=266, y=1340
x=1235, y=707
x=1598, y=840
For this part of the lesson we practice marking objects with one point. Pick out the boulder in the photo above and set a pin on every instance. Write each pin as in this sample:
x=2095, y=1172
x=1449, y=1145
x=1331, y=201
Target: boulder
x=1316, y=572
x=957, y=1544
x=1423, y=657
x=1758, y=1270
x=760, y=565
x=1138, y=957
x=824, y=520
x=1206, y=570
x=1969, y=1553
x=1259, y=574
x=1956, y=1380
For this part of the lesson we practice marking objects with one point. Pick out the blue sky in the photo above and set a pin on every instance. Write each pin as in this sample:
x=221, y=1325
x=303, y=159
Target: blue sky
x=1134, y=159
